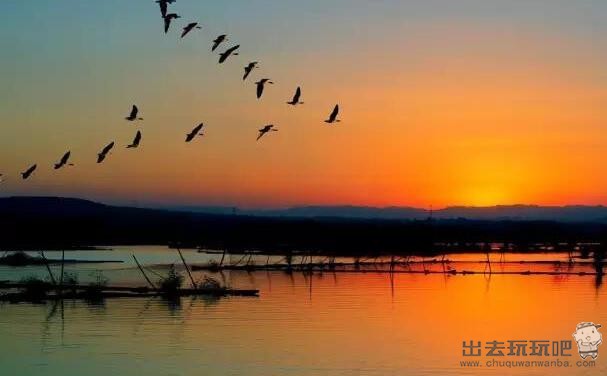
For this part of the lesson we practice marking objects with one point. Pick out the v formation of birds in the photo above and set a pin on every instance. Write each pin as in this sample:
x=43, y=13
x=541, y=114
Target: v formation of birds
x=133, y=116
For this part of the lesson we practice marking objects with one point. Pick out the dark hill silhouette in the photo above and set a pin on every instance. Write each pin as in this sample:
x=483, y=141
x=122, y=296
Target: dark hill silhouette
x=51, y=222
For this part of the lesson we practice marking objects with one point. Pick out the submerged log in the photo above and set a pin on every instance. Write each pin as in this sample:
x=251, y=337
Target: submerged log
x=356, y=268
x=87, y=292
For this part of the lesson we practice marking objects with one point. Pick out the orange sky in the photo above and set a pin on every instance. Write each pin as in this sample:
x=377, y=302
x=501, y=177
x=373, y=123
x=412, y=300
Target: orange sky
x=439, y=107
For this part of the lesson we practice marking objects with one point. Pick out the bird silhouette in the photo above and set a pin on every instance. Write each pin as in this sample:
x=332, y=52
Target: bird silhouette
x=249, y=68
x=133, y=115
x=63, y=161
x=266, y=129
x=230, y=51
x=104, y=152
x=163, y=6
x=195, y=132
x=189, y=27
x=167, y=20
x=333, y=117
x=260, y=86
x=295, y=101
x=136, y=141
x=219, y=40
x=28, y=172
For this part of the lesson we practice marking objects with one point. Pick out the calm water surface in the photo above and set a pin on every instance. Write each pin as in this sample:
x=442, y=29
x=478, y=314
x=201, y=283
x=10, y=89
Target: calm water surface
x=325, y=324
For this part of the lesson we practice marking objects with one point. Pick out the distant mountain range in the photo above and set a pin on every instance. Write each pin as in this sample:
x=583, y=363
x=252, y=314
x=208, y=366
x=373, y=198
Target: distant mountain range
x=573, y=213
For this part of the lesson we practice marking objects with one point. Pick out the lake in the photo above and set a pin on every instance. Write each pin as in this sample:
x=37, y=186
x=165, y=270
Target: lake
x=326, y=324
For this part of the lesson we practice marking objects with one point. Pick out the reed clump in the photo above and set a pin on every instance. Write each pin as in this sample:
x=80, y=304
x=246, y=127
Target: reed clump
x=213, y=266
x=70, y=282
x=94, y=290
x=210, y=283
x=171, y=284
x=35, y=288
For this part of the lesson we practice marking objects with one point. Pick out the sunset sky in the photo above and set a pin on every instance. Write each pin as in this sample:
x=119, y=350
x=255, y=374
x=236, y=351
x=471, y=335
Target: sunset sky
x=469, y=102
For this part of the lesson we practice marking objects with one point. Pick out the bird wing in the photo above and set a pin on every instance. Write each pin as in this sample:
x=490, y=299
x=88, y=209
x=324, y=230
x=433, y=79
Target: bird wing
x=137, y=138
x=247, y=70
x=259, y=89
x=107, y=148
x=194, y=132
x=297, y=95
x=65, y=158
x=189, y=27
x=167, y=23
x=232, y=49
x=334, y=113
x=134, y=111
x=261, y=133
x=163, y=8
x=217, y=42
x=29, y=171
x=227, y=53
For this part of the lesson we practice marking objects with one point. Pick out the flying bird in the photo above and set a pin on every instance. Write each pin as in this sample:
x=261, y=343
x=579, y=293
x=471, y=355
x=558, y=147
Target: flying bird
x=261, y=84
x=249, y=68
x=167, y=20
x=104, y=152
x=28, y=172
x=219, y=40
x=230, y=51
x=295, y=101
x=195, y=132
x=136, y=141
x=266, y=129
x=63, y=161
x=333, y=117
x=189, y=27
x=163, y=6
x=133, y=115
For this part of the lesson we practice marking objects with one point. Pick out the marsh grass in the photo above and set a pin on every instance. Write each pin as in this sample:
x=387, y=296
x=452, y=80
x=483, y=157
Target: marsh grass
x=70, y=281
